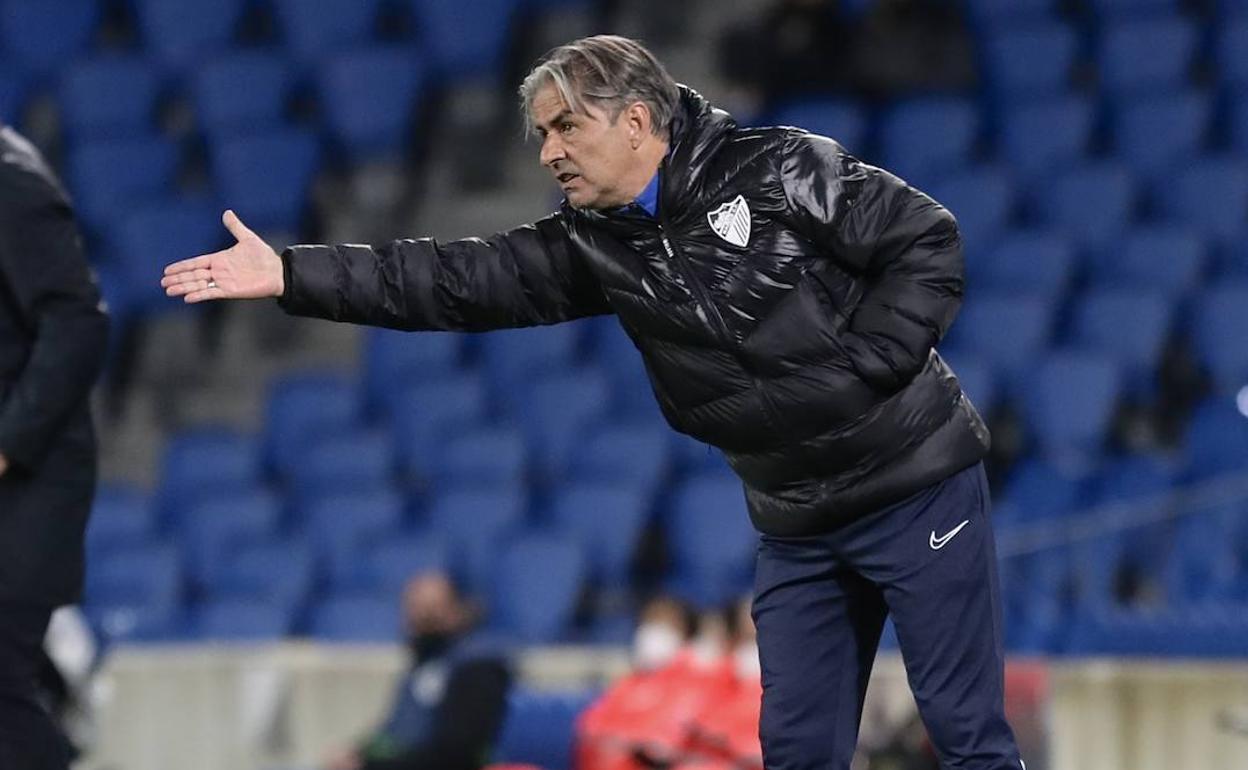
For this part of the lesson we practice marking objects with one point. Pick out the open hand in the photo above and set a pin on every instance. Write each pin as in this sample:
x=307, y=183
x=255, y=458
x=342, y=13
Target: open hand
x=249, y=269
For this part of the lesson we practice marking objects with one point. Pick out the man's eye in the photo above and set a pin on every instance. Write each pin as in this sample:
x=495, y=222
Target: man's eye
x=566, y=127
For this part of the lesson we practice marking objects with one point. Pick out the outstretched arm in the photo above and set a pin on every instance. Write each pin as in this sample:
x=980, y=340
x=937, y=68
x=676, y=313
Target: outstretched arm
x=523, y=277
x=903, y=246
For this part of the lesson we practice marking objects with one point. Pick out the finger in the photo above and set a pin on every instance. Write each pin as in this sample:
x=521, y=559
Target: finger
x=203, y=295
x=194, y=263
x=236, y=226
x=199, y=274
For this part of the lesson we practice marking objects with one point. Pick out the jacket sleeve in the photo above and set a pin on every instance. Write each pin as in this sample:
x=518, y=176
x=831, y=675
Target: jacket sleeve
x=900, y=244
x=45, y=276
x=528, y=276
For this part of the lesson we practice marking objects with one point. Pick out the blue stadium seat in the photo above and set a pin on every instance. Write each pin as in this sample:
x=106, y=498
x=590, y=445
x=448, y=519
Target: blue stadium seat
x=1129, y=326
x=394, y=360
x=979, y=383
x=1041, y=490
x=121, y=517
x=203, y=463
x=109, y=178
x=242, y=620
x=608, y=519
x=1031, y=58
x=356, y=618
x=267, y=178
x=475, y=523
x=924, y=138
x=41, y=36
x=1119, y=9
x=638, y=455
x=846, y=122
x=1202, y=565
x=983, y=199
x=539, y=728
x=1232, y=53
x=1157, y=132
x=182, y=33
x=147, y=575
x=517, y=355
x=361, y=459
x=1216, y=439
x=312, y=29
x=305, y=407
x=13, y=92
x=388, y=565
x=370, y=99
x=1008, y=332
x=614, y=352
x=281, y=571
x=109, y=97
x=218, y=526
x=1041, y=134
x=464, y=38
x=240, y=92
x=1210, y=194
x=1025, y=262
x=490, y=456
x=427, y=415
x=1004, y=13
x=1094, y=203
x=1069, y=403
x=151, y=236
x=339, y=524
x=1156, y=258
x=711, y=540
x=1237, y=118
x=537, y=585
x=1141, y=55
x=1134, y=477
x=556, y=411
x=1218, y=333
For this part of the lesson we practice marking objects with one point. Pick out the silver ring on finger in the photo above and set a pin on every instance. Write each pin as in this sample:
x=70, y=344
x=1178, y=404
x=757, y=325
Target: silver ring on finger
x=212, y=284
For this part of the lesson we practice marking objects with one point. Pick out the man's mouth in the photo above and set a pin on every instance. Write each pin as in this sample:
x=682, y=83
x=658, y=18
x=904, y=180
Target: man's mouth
x=566, y=177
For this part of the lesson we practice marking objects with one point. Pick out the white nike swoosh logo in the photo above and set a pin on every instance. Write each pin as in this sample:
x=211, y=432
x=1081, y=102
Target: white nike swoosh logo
x=939, y=542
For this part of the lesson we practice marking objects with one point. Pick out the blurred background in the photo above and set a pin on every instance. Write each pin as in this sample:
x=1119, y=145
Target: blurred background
x=270, y=483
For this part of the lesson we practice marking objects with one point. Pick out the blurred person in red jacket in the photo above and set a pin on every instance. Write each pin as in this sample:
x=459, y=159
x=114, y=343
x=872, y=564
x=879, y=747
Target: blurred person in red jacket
x=725, y=733
x=644, y=719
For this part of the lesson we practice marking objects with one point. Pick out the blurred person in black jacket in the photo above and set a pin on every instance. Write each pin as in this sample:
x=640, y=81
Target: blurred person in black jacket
x=53, y=332
x=796, y=47
x=906, y=48
x=449, y=704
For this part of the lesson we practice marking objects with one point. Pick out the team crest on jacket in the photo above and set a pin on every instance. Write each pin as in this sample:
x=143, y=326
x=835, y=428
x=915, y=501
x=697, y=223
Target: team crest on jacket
x=731, y=221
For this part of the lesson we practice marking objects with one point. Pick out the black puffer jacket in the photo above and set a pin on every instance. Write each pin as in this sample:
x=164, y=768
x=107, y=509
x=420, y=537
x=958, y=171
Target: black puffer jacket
x=806, y=354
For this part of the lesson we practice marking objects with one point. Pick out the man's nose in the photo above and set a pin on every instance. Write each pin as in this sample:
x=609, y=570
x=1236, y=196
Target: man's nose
x=552, y=149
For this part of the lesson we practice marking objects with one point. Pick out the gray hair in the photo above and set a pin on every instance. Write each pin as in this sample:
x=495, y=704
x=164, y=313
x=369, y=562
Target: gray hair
x=608, y=70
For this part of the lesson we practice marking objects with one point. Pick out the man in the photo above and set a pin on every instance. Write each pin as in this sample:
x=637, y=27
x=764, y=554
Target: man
x=449, y=705
x=786, y=300
x=53, y=334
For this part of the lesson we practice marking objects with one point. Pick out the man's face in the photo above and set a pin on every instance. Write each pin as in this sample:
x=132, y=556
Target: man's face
x=430, y=605
x=589, y=155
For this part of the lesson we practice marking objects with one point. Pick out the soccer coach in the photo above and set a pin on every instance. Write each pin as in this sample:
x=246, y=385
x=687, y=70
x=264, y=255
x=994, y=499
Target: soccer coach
x=787, y=300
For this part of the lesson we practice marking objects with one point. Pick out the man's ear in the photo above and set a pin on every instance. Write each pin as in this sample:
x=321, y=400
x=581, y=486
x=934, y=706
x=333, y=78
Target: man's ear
x=638, y=116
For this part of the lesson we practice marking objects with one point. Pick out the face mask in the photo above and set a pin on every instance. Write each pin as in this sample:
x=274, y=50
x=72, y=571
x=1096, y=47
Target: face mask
x=654, y=644
x=745, y=661
x=428, y=645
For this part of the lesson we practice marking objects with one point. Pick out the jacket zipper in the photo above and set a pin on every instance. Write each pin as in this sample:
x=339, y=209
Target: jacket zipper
x=721, y=328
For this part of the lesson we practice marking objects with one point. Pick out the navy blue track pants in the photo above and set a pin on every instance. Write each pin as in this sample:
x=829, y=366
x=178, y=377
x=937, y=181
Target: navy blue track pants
x=820, y=603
